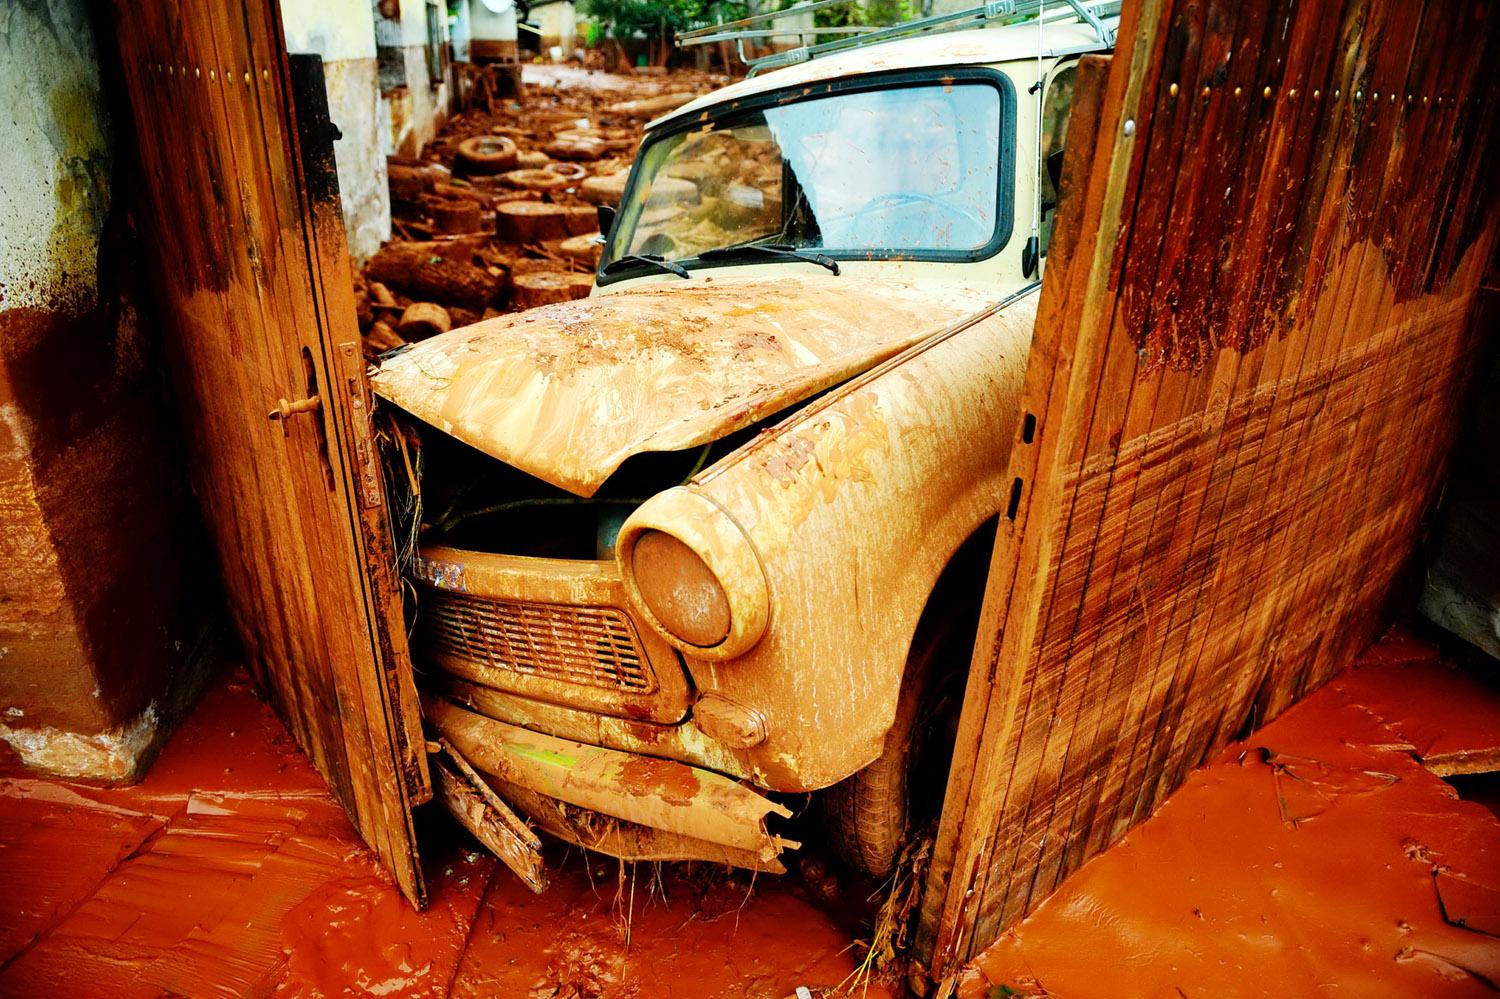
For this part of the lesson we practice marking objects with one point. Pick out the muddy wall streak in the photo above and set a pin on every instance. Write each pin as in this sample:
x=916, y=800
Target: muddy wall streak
x=94, y=623
x=418, y=102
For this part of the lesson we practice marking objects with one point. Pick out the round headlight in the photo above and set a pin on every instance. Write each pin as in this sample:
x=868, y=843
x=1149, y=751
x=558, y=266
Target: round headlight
x=681, y=590
x=692, y=575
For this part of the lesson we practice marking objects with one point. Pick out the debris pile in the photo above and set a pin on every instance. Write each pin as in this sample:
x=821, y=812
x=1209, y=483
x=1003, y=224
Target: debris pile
x=500, y=213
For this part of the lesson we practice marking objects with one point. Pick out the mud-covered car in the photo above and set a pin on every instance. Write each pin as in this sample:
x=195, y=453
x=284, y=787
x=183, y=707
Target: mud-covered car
x=719, y=531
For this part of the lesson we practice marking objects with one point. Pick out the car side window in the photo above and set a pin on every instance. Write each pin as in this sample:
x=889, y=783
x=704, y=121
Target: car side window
x=1056, y=104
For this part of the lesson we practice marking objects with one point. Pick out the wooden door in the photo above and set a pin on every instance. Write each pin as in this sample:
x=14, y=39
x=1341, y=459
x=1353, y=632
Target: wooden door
x=253, y=284
x=1250, y=353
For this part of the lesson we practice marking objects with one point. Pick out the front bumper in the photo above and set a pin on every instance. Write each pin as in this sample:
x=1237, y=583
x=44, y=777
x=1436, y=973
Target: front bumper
x=622, y=804
x=579, y=715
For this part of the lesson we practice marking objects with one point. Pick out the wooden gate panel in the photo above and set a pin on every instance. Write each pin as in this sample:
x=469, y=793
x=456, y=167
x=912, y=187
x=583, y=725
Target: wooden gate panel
x=1249, y=355
x=242, y=279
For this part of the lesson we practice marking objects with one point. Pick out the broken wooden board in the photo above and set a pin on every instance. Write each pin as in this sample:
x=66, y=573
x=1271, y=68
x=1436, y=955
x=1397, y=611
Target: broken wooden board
x=1250, y=350
x=479, y=809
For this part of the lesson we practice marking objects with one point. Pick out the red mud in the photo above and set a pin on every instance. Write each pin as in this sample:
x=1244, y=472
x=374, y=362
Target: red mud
x=1311, y=859
x=230, y=871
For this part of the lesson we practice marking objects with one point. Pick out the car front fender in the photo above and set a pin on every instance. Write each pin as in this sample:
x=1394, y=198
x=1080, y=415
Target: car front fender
x=854, y=506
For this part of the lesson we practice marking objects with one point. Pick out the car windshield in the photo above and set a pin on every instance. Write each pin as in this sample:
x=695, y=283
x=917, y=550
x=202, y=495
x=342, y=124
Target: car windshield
x=910, y=171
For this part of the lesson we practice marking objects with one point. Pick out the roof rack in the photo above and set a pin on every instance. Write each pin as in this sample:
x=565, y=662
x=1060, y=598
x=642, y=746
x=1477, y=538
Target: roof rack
x=1094, y=13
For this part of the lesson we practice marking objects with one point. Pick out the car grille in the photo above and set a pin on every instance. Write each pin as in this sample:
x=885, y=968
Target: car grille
x=593, y=646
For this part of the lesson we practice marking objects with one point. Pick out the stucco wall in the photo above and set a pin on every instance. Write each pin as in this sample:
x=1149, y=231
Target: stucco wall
x=54, y=157
x=343, y=33
x=418, y=106
x=559, y=25
x=97, y=634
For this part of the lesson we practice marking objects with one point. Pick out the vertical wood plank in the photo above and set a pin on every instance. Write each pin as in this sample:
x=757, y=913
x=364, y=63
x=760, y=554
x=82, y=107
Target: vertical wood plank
x=1246, y=374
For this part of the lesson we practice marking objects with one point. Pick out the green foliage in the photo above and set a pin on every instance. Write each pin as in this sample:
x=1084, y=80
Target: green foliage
x=865, y=12
x=657, y=19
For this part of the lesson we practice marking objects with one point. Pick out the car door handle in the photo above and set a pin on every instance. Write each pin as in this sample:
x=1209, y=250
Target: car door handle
x=286, y=409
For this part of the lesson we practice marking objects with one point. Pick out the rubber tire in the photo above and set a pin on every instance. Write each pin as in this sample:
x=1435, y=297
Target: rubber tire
x=864, y=816
x=487, y=153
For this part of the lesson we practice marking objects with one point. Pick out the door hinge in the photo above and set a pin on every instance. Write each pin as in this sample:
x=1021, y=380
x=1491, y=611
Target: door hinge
x=366, y=457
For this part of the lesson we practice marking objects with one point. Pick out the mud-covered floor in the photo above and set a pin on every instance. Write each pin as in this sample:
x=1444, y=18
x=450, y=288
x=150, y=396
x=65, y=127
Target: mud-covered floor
x=1323, y=856
x=1319, y=857
x=230, y=871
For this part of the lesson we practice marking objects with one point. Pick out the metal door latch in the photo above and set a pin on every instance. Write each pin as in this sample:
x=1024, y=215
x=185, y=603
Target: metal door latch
x=286, y=409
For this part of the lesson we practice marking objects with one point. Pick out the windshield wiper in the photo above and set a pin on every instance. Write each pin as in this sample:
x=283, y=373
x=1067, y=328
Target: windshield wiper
x=775, y=249
x=647, y=258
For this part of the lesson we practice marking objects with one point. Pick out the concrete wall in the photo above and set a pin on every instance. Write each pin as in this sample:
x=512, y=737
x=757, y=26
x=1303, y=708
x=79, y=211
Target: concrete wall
x=559, y=25
x=493, y=32
x=418, y=104
x=343, y=33
x=99, y=637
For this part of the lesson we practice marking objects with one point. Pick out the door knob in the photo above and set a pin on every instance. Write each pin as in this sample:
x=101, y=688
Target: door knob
x=286, y=409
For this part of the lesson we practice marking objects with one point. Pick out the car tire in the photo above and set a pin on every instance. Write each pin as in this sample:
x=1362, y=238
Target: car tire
x=865, y=816
x=487, y=153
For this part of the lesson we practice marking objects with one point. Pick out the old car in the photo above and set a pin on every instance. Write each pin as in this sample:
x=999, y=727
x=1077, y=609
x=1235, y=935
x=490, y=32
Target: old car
x=717, y=534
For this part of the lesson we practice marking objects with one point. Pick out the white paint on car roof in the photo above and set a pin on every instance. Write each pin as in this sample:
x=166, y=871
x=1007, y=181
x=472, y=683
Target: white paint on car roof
x=975, y=47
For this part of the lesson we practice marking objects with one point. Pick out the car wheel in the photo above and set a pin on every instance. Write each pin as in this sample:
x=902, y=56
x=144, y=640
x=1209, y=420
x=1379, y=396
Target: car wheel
x=866, y=815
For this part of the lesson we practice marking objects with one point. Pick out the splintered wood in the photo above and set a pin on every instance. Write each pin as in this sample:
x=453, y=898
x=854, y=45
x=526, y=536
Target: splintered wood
x=1252, y=342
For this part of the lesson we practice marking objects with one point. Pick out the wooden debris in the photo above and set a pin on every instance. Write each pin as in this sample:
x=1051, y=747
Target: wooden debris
x=466, y=192
x=380, y=294
x=531, y=222
x=651, y=107
x=582, y=249
x=576, y=146
x=458, y=216
x=415, y=269
x=487, y=153
x=570, y=172
x=410, y=179
x=547, y=287
x=606, y=190
x=381, y=338
x=540, y=180
x=513, y=209
x=581, y=219
x=422, y=320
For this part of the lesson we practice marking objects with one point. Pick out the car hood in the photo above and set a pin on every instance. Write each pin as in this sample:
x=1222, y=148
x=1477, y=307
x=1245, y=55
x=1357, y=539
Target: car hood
x=567, y=392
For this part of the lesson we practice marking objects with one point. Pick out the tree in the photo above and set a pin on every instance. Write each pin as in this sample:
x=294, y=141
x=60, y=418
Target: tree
x=656, y=20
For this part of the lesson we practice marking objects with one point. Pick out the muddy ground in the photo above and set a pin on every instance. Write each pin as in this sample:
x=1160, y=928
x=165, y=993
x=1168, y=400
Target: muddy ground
x=231, y=871
x=1321, y=856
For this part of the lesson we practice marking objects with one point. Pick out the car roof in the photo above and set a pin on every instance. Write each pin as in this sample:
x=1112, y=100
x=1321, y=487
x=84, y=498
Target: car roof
x=976, y=46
